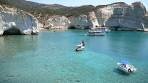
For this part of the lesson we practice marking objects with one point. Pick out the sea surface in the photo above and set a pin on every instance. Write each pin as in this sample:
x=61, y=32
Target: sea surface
x=50, y=57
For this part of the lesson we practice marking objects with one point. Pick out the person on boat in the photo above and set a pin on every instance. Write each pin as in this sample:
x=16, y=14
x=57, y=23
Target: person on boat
x=83, y=44
x=124, y=65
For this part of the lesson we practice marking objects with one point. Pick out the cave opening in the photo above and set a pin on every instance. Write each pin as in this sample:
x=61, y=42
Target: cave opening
x=12, y=31
x=71, y=27
x=115, y=28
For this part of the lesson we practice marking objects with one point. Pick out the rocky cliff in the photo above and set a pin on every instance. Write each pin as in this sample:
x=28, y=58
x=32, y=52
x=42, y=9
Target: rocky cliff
x=93, y=20
x=14, y=21
x=122, y=16
x=57, y=22
x=79, y=22
x=118, y=16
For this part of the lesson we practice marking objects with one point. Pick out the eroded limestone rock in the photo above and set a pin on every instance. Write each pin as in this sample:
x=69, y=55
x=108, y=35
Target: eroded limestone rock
x=79, y=22
x=58, y=22
x=121, y=15
x=16, y=21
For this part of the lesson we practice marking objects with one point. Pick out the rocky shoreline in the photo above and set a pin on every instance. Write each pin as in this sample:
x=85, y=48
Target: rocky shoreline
x=116, y=16
x=15, y=21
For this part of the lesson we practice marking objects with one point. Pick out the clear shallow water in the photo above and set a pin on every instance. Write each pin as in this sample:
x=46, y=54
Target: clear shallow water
x=50, y=58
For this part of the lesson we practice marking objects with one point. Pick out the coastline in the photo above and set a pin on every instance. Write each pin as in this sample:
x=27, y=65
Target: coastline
x=52, y=30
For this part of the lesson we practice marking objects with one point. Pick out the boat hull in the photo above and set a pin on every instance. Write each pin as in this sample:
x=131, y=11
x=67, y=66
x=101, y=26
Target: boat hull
x=96, y=34
x=126, y=68
x=80, y=48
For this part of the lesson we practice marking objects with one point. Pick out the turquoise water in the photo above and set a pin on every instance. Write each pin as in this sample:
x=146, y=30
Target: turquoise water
x=50, y=58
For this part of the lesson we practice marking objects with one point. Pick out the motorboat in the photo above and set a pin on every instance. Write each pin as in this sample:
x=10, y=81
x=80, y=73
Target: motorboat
x=96, y=32
x=95, y=28
x=80, y=47
x=107, y=30
x=127, y=68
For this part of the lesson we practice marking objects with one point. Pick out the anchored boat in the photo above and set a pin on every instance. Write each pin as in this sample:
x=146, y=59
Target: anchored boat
x=96, y=32
x=95, y=28
x=127, y=68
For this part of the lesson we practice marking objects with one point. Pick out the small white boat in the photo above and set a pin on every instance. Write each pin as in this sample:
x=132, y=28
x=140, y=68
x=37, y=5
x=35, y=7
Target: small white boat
x=127, y=68
x=81, y=48
x=79, y=45
x=107, y=30
x=96, y=32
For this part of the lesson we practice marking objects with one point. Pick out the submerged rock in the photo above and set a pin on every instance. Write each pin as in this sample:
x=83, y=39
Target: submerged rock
x=14, y=21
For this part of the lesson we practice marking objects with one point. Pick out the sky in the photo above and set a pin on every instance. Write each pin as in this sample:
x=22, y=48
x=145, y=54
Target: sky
x=87, y=2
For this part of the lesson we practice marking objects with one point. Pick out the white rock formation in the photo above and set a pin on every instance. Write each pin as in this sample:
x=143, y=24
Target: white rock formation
x=58, y=22
x=93, y=20
x=79, y=22
x=121, y=15
x=13, y=21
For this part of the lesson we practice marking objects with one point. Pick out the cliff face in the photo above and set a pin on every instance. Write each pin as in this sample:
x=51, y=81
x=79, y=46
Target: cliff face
x=115, y=16
x=62, y=22
x=122, y=16
x=93, y=20
x=118, y=16
x=42, y=10
x=146, y=20
x=58, y=22
x=79, y=22
x=13, y=21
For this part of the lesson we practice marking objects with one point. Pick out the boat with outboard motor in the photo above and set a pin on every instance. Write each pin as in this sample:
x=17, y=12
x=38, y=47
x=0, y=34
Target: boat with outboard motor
x=127, y=68
x=96, y=32
x=80, y=47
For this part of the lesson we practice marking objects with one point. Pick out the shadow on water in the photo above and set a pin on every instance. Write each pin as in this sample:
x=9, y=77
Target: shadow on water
x=116, y=70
